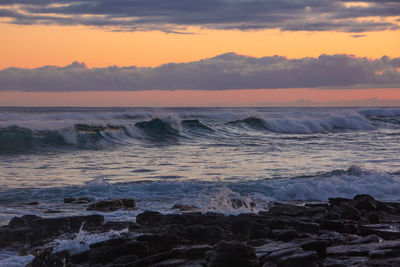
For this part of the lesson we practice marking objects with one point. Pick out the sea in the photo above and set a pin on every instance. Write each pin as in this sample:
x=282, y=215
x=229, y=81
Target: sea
x=194, y=156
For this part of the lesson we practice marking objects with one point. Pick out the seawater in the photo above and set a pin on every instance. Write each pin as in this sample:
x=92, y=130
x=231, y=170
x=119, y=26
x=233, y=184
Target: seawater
x=198, y=156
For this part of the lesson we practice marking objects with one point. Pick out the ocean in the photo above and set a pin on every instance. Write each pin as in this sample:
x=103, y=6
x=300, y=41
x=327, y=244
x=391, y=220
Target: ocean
x=195, y=156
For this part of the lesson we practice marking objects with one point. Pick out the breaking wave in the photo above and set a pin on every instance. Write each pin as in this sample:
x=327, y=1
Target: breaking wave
x=306, y=125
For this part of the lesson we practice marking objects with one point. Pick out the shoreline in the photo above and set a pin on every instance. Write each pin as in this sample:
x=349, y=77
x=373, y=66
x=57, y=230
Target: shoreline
x=360, y=232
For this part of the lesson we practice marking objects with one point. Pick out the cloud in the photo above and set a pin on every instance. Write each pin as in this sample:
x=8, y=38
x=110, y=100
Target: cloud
x=223, y=72
x=177, y=15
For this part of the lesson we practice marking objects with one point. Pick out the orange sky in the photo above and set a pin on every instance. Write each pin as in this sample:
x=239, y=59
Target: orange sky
x=186, y=98
x=35, y=46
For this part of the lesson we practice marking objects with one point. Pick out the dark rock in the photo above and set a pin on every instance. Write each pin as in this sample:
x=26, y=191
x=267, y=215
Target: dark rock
x=384, y=231
x=333, y=225
x=192, y=252
x=257, y=242
x=286, y=209
x=159, y=242
x=113, y=225
x=47, y=259
x=204, y=234
x=374, y=218
x=257, y=231
x=303, y=259
x=307, y=227
x=365, y=240
x=113, y=205
x=332, y=215
x=285, y=235
x=33, y=203
x=150, y=218
x=31, y=228
x=109, y=242
x=337, y=201
x=183, y=207
x=232, y=254
x=153, y=259
x=107, y=253
x=365, y=202
x=239, y=203
x=277, y=223
x=316, y=245
x=348, y=212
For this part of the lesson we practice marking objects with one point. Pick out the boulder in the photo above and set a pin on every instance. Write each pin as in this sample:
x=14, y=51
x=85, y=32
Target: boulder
x=113, y=205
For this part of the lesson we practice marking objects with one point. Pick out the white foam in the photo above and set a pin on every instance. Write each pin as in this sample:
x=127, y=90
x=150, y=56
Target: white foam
x=82, y=240
x=12, y=259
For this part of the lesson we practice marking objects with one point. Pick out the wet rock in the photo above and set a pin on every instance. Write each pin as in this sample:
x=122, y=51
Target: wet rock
x=232, y=254
x=109, y=251
x=286, y=209
x=183, y=207
x=285, y=235
x=150, y=218
x=239, y=203
x=204, y=233
x=365, y=240
x=47, y=259
x=332, y=225
x=32, y=203
x=316, y=245
x=385, y=231
x=307, y=227
x=113, y=205
x=31, y=228
x=348, y=212
x=337, y=201
x=365, y=202
x=75, y=200
x=257, y=231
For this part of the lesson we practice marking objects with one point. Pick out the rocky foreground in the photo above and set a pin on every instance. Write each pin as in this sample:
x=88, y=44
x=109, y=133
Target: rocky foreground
x=343, y=232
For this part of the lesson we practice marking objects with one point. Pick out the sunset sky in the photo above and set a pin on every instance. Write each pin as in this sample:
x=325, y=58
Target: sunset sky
x=200, y=53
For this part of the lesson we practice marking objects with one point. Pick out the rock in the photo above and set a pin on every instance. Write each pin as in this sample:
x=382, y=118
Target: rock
x=365, y=202
x=332, y=225
x=287, y=209
x=348, y=212
x=33, y=203
x=365, y=240
x=290, y=256
x=239, y=203
x=257, y=231
x=31, y=228
x=303, y=259
x=307, y=227
x=337, y=201
x=316, y=245
x=74, y=200
x=204, y=233
x=150, y=218
x=47, y=259
x=113, y=205
x=232, y=254
x=285, y=235
x=107, y=252
x=183, y=207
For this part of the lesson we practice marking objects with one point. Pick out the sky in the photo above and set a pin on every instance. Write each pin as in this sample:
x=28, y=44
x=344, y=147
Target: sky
x=199, y=53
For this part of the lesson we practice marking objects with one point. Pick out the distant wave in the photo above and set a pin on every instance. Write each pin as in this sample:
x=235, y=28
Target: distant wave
x=334, y=123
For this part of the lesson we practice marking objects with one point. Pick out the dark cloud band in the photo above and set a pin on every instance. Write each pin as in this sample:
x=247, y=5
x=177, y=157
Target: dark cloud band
x=176, y=15
x=227, y=71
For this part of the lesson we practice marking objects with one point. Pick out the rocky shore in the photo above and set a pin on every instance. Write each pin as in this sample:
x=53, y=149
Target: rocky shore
x=342, y=232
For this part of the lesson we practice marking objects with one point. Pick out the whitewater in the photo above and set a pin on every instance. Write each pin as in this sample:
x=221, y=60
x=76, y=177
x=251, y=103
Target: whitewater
x=194, y=156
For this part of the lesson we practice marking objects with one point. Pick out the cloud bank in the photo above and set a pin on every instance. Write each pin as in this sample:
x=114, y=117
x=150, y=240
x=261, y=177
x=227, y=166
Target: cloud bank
x=223, y=72
x=176, y=15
